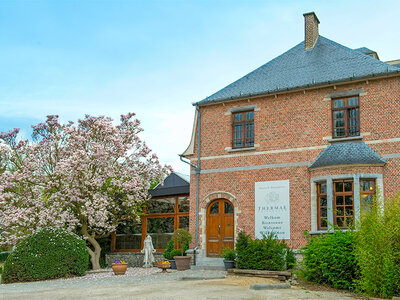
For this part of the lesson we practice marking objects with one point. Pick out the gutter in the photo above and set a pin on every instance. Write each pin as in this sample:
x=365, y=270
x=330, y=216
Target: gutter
x=197, y=170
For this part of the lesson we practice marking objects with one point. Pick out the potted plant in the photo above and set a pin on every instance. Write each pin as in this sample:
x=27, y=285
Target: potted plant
x=119, y=267
x=174, y=253
x=169, y=255
x=182, y=238
x=229, y=256
x=163, y=265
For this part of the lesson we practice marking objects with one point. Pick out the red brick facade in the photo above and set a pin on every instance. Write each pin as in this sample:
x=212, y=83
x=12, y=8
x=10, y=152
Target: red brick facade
x=291, y=130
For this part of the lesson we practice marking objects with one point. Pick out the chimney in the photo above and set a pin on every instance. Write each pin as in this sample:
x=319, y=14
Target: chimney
x=310, y=30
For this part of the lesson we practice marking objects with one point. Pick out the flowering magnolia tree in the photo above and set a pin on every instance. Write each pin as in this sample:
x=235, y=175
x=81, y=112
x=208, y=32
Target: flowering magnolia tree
x=86, y=177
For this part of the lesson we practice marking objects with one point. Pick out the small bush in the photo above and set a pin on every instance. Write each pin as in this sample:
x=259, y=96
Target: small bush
x=168, y=250
x=3, y=256
x=267, y=253
x=377, y=244
x=49, y=253
x=229, y=254
x=330, y=259
x=182, y=237
x=176, y=252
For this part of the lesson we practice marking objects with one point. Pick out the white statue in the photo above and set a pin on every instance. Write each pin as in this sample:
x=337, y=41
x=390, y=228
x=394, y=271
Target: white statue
x=148, y=250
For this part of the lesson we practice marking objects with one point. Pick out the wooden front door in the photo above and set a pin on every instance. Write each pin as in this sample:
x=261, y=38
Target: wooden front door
x=220, y=227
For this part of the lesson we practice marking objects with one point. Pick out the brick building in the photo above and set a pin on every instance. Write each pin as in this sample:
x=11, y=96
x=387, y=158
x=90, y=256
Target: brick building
x=301, y=143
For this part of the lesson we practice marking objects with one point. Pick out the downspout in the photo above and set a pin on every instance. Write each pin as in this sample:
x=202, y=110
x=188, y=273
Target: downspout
x=197, y=170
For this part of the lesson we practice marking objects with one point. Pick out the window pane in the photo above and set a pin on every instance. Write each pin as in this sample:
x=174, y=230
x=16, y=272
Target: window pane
x=339, y=123
x=228, y=208
x=214, y=209
x=238, y=131
x=165, y=205
x=353, y=101
x=184, y=222
x=339, y=200
x=249, y=129
x=250, y=115
x=348, y=200
x=250, y=142
x=238, y=117
x=322, y=189
x=339, y=114
x=323, y=201
x=367, y=185
x=129, y=235
x=183, y=203
x=354, y=113
x=323, y=213
x=367, y=200
x=339, y=132
x=349, y=222
x=349, y=211
x=348, y=186
x=339, y=211
x=238, y=143
x=340, y=222
x=338, y=103
x=324, y=223
x=339, y=186
x=160, y=230
x=354, y=131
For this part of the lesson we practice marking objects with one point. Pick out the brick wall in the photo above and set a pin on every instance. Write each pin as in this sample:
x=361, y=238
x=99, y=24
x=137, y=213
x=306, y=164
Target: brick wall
x=284, y=125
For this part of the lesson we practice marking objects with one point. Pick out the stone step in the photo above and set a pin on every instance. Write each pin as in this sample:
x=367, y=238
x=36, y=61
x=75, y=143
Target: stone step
x=210, y=268
x=209, y=261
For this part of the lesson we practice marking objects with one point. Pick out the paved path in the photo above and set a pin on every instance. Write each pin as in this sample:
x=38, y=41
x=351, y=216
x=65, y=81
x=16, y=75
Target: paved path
x=149, y=284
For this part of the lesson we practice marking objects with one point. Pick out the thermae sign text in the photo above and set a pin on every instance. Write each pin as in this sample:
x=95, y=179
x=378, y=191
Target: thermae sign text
x=272, y=209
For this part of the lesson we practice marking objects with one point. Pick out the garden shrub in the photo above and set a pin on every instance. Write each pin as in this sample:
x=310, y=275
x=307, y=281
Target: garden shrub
x=377, y=244
x=182, y=238
x=169, y=249
x=49, y=253
x=229, y=254
x=267, y=253
x=330, y=259
x=3, y=256
x=175, y=252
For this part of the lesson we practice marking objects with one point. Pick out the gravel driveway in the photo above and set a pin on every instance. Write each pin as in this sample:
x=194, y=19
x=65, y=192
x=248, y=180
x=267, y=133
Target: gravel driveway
x=141, y=283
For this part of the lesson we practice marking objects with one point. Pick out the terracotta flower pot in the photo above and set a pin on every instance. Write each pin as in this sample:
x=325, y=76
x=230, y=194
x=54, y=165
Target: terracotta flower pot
x=182, y=262
x=119, y=269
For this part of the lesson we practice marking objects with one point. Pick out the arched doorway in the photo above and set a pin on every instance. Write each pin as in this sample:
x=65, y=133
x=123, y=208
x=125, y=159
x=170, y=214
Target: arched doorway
x=220, y=227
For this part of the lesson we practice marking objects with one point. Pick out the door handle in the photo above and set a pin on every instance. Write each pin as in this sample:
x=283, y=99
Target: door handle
x=219, y=228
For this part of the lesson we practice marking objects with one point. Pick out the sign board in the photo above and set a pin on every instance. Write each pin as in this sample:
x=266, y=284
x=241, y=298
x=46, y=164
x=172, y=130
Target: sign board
x=272, y=209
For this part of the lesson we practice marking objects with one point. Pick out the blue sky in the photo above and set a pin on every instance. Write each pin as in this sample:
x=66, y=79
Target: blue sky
x=157, y=57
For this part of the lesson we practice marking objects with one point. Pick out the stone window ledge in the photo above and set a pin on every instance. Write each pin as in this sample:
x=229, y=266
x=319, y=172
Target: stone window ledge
x=346, y=139
x=324, y=231
x=229, y=149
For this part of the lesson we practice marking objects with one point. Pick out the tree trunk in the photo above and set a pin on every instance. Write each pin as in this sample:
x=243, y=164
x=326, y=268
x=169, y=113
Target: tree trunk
x=94, y=255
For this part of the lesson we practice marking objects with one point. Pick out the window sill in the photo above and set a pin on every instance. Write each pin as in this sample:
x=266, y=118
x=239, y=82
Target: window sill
x=346, y=139
x=325, y=231
x=229, y=149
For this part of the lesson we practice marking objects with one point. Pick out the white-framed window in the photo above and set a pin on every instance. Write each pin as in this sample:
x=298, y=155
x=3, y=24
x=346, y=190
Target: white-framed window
x=337, y=200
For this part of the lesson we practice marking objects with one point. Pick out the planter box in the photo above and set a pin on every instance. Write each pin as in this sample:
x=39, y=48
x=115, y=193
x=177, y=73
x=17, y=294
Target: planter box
x=182, y=262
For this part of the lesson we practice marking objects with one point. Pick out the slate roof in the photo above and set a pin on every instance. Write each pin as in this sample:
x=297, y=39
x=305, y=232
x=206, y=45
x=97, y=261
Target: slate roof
x=174, y=184
x=327, y=62
x=365, y=50
x=347, y=153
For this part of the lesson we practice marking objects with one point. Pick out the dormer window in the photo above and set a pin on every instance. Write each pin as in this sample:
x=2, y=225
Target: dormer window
x=345, y=117
x=243, y=129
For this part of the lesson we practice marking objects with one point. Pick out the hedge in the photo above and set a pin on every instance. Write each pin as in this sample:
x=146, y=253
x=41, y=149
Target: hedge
x=47, y=254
